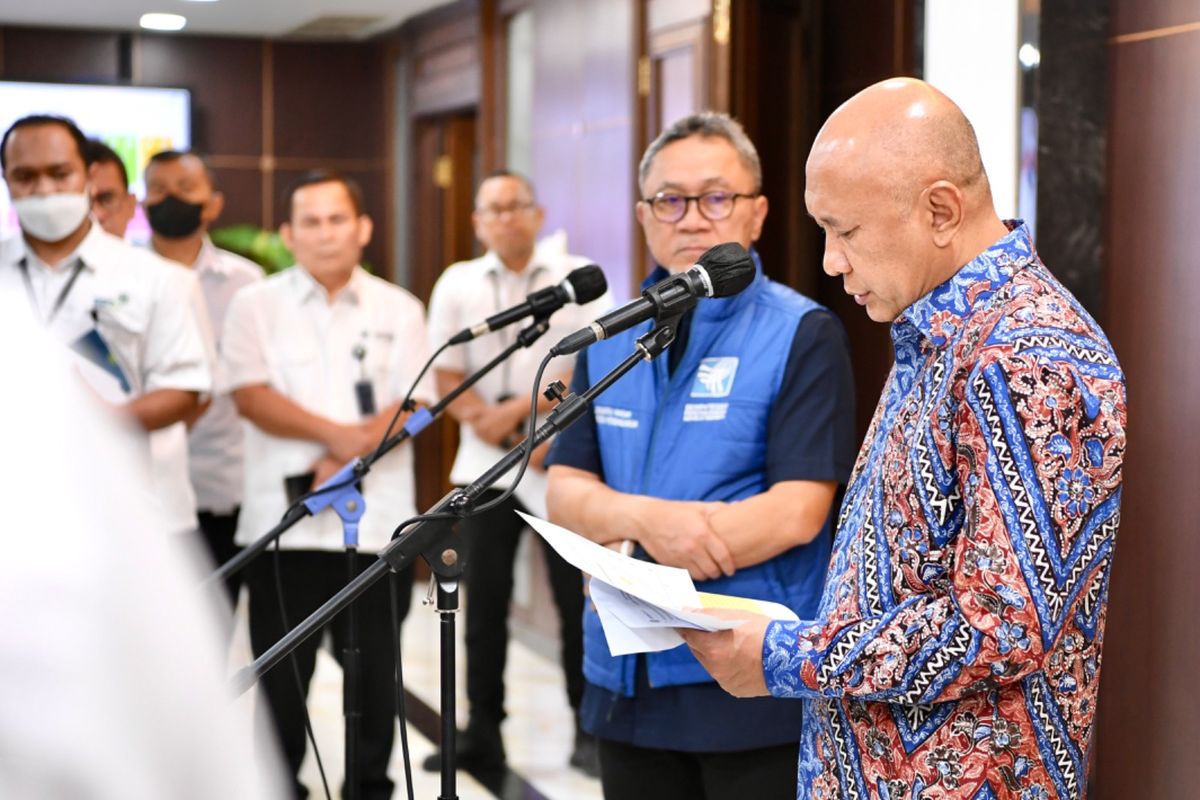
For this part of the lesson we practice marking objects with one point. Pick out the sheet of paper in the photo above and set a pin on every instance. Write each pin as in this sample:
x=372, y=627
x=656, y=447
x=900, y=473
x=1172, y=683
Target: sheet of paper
x=640, y=604
x=667, y=587
x=623, y=640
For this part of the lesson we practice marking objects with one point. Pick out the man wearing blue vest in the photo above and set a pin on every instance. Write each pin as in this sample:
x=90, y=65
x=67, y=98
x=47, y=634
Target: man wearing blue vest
x=723, y=457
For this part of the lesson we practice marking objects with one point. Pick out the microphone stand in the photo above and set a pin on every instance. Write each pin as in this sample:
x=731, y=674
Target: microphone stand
x=433, y=540
x=348, y=503
x=354, y=470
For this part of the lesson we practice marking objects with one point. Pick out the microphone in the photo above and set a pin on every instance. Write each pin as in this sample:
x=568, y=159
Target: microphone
x=723, y=271
x=582, y=285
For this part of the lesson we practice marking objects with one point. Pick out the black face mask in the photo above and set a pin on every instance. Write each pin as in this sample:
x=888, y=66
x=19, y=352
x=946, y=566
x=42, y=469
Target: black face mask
x=174, y=218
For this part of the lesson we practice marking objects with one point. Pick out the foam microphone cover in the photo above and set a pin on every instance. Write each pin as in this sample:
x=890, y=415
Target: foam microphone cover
x=729, y=267
x=588, y=283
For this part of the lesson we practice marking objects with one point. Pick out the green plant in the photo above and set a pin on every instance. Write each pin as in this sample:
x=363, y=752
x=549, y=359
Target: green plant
x=263, y=247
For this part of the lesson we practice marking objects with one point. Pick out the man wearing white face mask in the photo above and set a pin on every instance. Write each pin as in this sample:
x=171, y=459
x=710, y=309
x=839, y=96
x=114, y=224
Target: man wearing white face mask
x=129, y=315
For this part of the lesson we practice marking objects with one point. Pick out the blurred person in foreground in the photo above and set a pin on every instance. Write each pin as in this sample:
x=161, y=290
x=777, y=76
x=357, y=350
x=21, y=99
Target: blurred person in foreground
x=112, y=668
x=956, y=653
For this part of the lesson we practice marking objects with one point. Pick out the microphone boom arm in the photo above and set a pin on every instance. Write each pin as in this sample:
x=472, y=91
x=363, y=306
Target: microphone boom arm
x=420, y=419
x=433, y=539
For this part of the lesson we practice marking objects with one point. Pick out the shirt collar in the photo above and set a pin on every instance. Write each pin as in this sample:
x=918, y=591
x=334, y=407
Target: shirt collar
x=89, y=251
x=939, y=315
x=307, y=287
x=209, y=262
x=494, y=266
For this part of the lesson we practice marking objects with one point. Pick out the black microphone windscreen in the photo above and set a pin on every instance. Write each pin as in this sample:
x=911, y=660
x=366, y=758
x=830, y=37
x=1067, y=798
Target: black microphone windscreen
x=588, y=283
x=729, y=267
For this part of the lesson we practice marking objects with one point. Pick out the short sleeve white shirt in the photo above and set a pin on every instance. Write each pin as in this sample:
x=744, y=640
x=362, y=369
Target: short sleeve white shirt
x=215, y=441
x=284, y=333
x=469, y=292
x=144, y=309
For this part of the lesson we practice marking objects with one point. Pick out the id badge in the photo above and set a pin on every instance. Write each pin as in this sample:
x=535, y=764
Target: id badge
x=364, y=392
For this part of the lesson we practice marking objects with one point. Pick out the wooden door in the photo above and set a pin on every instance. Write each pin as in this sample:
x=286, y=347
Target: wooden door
x=444, y=171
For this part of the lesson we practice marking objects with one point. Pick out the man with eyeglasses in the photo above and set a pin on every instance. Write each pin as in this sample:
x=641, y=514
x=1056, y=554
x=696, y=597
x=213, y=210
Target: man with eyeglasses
x=113, y=205
x=723, y=458
x=507, y=221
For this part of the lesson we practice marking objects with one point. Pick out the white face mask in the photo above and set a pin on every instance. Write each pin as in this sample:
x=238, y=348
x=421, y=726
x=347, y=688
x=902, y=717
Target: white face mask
x=52, y=217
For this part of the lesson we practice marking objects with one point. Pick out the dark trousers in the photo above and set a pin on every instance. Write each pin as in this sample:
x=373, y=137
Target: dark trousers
x=310, y=578
x=217, y=531
x=634, y=773
x=493, y=539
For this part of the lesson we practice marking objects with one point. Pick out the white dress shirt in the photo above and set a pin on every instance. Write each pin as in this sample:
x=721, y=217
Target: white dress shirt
x=469, y=292
x=145, y=309
x=215, y=441
x=284, y=333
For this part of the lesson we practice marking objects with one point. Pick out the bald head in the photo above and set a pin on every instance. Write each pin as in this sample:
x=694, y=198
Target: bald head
x=902, y=134
x=896, y=182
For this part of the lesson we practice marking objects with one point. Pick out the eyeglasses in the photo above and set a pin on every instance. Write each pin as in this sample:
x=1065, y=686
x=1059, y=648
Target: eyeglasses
x=713, y=206
x=496, y=212
x=108, y=199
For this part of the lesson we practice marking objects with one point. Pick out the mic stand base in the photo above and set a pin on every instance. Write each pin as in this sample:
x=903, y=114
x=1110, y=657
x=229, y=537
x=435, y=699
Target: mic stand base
x=447, y=607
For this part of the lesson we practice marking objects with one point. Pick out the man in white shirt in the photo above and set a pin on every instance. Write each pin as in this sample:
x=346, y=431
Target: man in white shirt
x=129, y=315
x=310, y=354
x=113, y=205
x=507, y=220
x=181, y=203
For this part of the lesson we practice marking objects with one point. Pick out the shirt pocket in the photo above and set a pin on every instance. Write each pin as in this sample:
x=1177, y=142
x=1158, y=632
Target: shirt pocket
x=299, y=371
x=124, y=333
x=383, y=365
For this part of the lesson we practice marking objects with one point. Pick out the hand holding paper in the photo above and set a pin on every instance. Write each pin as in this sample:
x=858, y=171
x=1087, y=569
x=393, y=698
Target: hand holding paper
x=641, y=604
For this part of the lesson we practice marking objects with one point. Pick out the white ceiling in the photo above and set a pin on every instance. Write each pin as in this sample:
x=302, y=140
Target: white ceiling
x=267, y=18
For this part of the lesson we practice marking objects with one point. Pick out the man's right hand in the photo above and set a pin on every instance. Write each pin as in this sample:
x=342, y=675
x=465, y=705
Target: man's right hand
x=678, y=534
x=494, y=423
x=347, y=442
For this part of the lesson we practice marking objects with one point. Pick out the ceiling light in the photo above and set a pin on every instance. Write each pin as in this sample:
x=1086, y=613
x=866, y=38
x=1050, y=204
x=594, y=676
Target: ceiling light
x=1029, y=56
x=163, y=22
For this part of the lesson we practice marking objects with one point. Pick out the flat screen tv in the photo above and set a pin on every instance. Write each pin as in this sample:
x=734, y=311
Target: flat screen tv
x=135, y=121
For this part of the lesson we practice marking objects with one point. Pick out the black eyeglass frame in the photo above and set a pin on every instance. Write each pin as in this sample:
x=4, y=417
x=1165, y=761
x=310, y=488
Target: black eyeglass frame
x=687, y=200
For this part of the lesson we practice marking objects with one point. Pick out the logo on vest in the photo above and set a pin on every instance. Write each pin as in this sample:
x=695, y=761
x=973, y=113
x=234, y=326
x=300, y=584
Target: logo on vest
x=705, y=412
x=715, y=376
x=616, y=417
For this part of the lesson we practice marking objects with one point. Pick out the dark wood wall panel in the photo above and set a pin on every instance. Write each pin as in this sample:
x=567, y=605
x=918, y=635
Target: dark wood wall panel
x=329, y=101
x=1147, y=725
x=49, y=54
x=243, y=190
x=776, y=97
x=861, y=43
x=1147, y=15
x=225, y=77
x=262, y=112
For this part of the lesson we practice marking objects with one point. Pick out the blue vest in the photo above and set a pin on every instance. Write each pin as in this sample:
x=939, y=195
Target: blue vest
x=701, y=434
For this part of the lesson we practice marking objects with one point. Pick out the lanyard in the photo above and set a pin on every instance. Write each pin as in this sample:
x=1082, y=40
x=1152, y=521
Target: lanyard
x=62, y=296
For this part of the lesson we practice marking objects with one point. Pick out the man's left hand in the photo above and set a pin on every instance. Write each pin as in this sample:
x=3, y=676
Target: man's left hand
x=733, y=657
